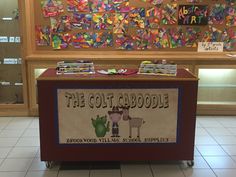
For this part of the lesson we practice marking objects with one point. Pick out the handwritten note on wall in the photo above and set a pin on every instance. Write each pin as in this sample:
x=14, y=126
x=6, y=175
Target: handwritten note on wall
x=210, y=46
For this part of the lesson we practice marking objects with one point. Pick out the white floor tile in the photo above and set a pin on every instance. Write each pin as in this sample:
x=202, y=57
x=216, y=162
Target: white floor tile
x=225, y=140
x=167, y=170
x=8, y=142
x=211, y=150
x=42, y=174
x=225, y=172
x=4, y=151
x=198, y=173
x=220, y=162
x=105, y=173
x=232, y=130
x=201, y=131
x=32, y=132
x=228, y=122
x=23, y=152
x=209, y=122
x=74, y=173
x=1, y=160
x=34, y=123
x=196, y=152
x=218, y=131
x=229, y=149
x=38, y=165
x=18, y=123
x=12, y=174
x=199, y=162
x=15, y=165
x=11, y=133
x=205, y=140
x=28, y=141
x=136, y=170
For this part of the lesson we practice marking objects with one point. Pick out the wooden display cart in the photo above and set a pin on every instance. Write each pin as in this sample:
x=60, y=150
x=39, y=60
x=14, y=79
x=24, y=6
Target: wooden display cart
x=69, y=109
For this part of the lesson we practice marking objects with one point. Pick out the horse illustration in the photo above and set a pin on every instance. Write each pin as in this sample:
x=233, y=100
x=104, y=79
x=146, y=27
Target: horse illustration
x=134, y=122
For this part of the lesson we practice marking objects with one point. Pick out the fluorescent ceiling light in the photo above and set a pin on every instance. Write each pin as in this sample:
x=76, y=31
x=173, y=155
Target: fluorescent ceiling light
x=7, y=18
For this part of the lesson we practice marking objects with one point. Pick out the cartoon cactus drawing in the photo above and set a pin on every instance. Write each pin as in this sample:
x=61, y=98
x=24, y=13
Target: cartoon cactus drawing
x=101, y=125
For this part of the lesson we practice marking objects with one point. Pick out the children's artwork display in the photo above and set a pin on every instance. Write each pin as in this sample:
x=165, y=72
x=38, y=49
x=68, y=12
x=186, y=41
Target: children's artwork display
x=134, y=24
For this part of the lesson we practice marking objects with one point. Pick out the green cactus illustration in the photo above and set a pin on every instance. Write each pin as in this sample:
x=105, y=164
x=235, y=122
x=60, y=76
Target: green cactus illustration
x=101, y=125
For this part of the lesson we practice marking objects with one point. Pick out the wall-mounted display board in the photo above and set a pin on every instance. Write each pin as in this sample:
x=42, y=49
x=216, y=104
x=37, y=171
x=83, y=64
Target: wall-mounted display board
x=151, y=25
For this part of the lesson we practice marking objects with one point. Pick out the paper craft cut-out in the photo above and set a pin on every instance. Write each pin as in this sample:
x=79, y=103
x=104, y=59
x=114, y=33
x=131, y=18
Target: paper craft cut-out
x=102, y=21
x=212, y=35
x=121, y=5
x=124, y=42
x=169, y=14
x=42, y=35
x=77, y=5
x=156, y=2
x=82, y=40
x=120, y=23
x=102, y=39
x=60, y=41
x=160, y=38
x=101, y=6
x=176, y=37
x=61, y=24
x=217, y=14
x=192, y=36
x=230, y=2
x=153, y=17
x=81, y=21
x=137, y=17
x=230, y=16
x=143, y=39
x=229, y=39
x=51, y=8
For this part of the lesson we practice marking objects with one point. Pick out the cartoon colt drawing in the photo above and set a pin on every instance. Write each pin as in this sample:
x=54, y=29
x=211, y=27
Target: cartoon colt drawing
x=134, y=122
x=115, y=116
x=100, y=125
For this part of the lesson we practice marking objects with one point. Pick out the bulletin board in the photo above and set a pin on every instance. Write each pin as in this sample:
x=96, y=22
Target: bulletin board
x=133, y=25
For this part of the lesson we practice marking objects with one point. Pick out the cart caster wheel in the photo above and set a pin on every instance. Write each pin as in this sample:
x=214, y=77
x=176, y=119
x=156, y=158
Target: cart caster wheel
x=190, y=163
x=49, y=164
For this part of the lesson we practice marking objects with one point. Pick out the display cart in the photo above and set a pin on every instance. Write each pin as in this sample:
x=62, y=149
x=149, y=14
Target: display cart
x=85, y=118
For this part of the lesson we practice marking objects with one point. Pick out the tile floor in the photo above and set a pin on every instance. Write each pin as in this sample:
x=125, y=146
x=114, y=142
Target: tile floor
x=215, y=153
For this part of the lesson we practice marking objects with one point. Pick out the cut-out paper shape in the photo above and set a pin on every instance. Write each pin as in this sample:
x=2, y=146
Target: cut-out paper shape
x=156, y=2
x=192, y=36
x=153, y=17
x=101, y=6
x=82, y=40
x=61, y=24
x=142, y=39
x=193, y=15
x=137, y=17
x=217, y=14
x=120, y=23
x=61, y=41
x=176, y=37
x=229, y=39
x=102, y=39
x=160, y=38
x=124, y=42
x=51, y=8
x=42, y=35
x=230, y=2
x=102, y=21
x=121, y=5
x=230, y=16
x=194, y=1
x=212, y=35
x=81, y=21
x=77, y=5
x=169, y=14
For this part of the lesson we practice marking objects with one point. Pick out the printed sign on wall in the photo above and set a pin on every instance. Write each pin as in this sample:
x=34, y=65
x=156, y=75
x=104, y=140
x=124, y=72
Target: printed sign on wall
x=210, y=46
x=193, y=15
x=93, y=116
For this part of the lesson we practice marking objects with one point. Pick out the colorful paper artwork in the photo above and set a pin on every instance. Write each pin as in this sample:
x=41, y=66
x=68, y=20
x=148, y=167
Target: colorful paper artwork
x=169, y=14
x=156, y=2
x=142, y=39
x=83, y=40
x=51, y=8
x=212, y=35
x=121, y=5
x=124, y=42
x=102, y=21
x=153, y=17
x=229, y=39
x=61, y=24
x=193, y=15
x=101, y=6
x=230, y=16
x=120, y=23
x=194, y=1
x=217, y=14
x=137, y=17
x=176, y=37
x=60, y=41
x=81, y=21
x=160, y=38
x=42, y=35
x=102, y=40
x=77, y=5
x=192, y=36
